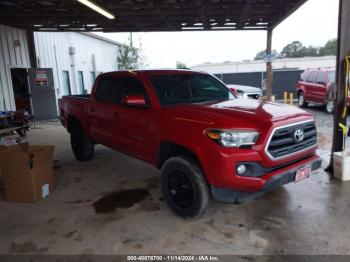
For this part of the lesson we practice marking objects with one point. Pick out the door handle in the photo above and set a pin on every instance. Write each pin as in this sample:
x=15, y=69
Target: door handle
x=116, y=114
x=92, y=109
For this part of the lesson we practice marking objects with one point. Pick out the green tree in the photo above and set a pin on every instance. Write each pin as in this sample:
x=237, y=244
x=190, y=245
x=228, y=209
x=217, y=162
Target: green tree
x=297, y=49
x=311, y=51
x=262, y=55
x=294, y=49
x=181, y=65
x=131, y=57
x=330, y=48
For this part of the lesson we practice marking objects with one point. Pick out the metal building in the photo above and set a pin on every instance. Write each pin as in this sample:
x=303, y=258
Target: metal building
x=13, y=54
x=286, y=72
x=82, y=55
x=249, y=66
x=66, y=63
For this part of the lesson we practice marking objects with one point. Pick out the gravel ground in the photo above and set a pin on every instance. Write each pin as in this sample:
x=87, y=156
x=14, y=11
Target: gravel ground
x=324, y=124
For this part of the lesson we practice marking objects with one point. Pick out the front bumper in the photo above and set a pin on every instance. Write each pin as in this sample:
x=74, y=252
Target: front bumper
x=275, y=179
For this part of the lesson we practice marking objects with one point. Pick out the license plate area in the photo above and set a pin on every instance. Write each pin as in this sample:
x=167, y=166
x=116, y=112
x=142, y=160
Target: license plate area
x=303, y=173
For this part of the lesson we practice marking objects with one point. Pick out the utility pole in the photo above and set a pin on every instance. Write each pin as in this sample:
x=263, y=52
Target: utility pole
x=131, y=42
x=269, y=65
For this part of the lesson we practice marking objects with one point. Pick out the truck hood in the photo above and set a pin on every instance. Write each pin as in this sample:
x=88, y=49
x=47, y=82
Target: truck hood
x=245, y=112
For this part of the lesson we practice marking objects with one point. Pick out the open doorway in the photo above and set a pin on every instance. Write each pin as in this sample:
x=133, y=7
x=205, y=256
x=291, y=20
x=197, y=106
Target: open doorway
x=20, y=86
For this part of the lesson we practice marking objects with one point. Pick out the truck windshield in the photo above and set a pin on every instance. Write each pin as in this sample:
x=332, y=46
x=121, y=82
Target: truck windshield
x=331, y=76
x=189, y=89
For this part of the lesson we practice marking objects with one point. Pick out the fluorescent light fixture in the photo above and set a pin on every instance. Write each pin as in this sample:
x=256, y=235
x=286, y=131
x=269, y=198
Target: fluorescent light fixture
x=254, y=27
x=48, y=29
x=77, y=29
x=193, y=28
x=230, y=23
x=97, y=8
x=223, y=27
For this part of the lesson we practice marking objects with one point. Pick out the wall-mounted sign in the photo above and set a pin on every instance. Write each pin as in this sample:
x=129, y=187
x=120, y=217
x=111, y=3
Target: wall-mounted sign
x=41, y=78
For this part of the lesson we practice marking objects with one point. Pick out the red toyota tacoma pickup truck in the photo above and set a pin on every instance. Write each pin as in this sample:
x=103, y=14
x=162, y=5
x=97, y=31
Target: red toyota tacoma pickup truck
x=207, y=142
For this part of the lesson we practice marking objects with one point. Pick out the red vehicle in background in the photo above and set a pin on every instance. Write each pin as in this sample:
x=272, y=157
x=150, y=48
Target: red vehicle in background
x=316, y=86
x=207, y=142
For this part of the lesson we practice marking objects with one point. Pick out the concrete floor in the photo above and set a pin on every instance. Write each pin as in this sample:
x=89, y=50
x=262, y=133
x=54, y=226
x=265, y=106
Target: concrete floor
x=311, y=217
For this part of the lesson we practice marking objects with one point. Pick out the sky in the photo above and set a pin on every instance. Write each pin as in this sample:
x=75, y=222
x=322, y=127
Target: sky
x=313, y=24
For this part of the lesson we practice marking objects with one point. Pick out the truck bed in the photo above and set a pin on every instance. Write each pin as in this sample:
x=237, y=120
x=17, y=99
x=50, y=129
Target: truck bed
x=75, y=106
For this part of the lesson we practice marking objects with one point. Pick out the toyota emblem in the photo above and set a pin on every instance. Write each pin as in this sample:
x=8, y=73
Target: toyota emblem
x=299, y=135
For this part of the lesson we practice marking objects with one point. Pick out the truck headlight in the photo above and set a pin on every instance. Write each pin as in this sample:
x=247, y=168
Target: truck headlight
x=232, y=138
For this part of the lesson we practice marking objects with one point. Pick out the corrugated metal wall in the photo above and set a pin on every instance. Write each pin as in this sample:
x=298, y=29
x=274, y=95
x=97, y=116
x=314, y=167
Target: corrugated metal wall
x=283, y=81
x=52, y=50
x=13, y=53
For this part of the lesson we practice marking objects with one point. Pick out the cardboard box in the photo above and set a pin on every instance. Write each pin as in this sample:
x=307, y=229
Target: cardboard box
x=27, y=171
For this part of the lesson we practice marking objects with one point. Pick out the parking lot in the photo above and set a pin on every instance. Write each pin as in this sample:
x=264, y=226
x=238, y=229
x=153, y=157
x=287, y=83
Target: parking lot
x=82, y=216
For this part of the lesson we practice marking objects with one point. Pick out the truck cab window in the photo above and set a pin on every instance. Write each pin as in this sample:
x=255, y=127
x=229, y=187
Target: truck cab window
x=331, y=76
x=304, y=76
x=189, y=89
x=108, y=90
x=311, y=77
x=321, y=78
x=132, y=86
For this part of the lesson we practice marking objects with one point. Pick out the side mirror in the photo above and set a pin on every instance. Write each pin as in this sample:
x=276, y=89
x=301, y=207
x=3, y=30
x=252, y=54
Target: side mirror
x=135, y=100
x=321, y=83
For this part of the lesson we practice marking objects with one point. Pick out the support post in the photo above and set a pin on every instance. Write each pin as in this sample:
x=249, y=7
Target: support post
x=341, y=100
x=269, y=65
x=33, y=64
x=31, y=49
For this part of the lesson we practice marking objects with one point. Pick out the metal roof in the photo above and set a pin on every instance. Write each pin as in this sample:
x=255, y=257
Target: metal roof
x=102, y=38
x=147, y=15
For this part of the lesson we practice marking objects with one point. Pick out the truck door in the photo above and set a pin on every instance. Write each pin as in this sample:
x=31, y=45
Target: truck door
x=101, y=111
x=134, y=124
x=310, y=86
x=320, y=87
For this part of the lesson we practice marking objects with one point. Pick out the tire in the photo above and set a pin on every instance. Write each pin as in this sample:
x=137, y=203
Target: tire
x=82, y=147
x=329, y=107
x=184, y=187
x=301, y=100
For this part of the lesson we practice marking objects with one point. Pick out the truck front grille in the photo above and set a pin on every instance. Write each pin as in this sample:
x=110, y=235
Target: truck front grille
x=284, y=141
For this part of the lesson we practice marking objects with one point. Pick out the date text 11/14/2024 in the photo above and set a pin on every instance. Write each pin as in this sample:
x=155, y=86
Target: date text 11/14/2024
x=173, y=258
